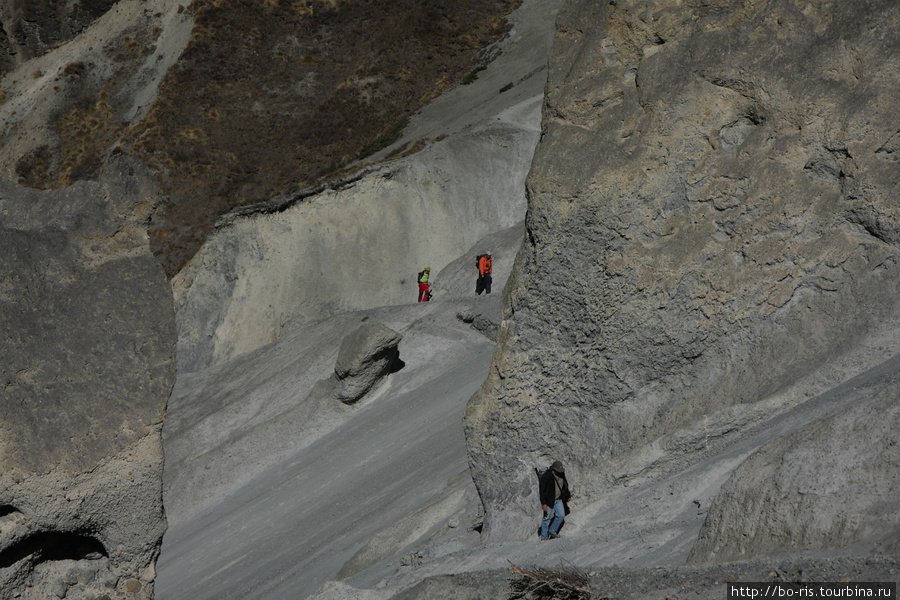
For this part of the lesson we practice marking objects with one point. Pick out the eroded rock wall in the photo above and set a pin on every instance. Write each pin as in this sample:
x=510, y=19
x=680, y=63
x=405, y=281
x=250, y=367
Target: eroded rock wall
x=712, y=217
x=88, y=349
x=831, y=485
x=29, y=28
x=353, y=246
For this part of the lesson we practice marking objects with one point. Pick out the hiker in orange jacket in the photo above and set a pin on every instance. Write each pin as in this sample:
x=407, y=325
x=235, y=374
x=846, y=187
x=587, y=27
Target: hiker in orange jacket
x=483, y=284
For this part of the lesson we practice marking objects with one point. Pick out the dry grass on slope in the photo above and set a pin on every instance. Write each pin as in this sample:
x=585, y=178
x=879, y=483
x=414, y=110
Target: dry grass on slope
x=274, y=94
x=564, y=583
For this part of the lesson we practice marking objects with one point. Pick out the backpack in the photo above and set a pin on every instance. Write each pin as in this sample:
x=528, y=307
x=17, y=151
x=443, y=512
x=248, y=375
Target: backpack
x=487, y=263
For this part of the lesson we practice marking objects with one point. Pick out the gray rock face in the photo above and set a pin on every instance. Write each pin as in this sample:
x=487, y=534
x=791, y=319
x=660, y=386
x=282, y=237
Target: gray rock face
x=366, y=355
x=29, y=29
x=712, y=217
x=830, y=485
x=226, y=424
x=259, y=275
x=88, y=346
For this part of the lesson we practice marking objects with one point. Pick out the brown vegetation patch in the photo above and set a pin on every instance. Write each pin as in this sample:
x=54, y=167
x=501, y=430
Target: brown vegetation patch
x=286, y=92
x=86, y=132
x=90, y=117
x=75, y=69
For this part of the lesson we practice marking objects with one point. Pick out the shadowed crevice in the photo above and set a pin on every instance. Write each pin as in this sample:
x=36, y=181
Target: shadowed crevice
x=53, y=545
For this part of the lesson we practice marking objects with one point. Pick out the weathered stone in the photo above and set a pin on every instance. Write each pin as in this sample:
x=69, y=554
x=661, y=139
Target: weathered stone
x=712, y=216
x=35, y=27
x=88, y=346
x=830, y=485
x=480, y=323
x=484, y=584
x=260, y=274
x=366, y=355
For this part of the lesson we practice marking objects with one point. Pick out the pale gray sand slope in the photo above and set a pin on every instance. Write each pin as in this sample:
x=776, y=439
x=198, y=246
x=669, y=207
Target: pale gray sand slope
x=264, y=504
x=294, y=525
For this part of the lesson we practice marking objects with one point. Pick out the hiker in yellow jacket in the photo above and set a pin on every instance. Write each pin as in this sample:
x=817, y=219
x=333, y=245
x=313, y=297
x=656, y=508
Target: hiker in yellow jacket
x=424, y=285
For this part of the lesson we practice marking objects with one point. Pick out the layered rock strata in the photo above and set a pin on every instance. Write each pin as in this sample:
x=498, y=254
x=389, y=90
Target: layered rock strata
x=712, y=219
x=88, y=348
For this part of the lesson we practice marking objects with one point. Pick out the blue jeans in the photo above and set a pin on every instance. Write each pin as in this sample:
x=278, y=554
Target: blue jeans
x=556, y=513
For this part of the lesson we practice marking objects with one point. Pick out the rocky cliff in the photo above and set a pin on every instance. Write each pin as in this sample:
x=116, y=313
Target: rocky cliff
x=352, y=246
x=712, y=237
x=707, y=285
x=88, y=350
x=227, y=103
x=88, y=340
x=831, y=485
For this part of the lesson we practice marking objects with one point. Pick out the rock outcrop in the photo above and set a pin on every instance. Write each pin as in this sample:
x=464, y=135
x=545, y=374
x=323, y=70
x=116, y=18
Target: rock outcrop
x=29, y=28
x=88, y=348
x=355, y=245
x=366, y=355
x=712, y=220
x=831, y=485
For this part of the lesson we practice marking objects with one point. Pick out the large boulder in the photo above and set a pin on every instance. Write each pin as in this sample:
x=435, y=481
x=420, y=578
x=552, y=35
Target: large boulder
x=366, y=355
x=831, y=485
x=88, y=346
x=712, y=218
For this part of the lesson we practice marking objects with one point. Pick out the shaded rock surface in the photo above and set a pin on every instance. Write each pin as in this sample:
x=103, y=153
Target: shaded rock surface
x=831, y=485
x=88, y=352
x=720, y=251
x=366, y=355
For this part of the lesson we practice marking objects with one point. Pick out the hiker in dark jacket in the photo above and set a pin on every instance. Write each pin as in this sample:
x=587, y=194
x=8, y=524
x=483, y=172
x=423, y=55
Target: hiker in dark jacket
x=555, y=494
